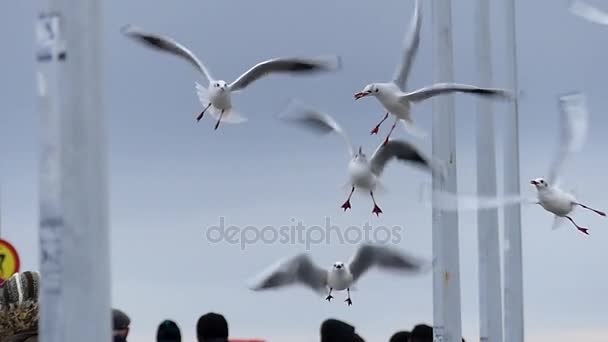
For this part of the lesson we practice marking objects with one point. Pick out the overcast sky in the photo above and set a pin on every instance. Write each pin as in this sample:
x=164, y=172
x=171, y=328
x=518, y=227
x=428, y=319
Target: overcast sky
x=171, y=178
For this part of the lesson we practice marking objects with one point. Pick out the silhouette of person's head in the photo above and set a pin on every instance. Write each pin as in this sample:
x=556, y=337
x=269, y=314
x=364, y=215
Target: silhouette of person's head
x=212, y=327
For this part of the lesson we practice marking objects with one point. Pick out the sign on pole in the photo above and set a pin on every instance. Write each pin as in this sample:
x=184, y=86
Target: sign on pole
x=9, y=261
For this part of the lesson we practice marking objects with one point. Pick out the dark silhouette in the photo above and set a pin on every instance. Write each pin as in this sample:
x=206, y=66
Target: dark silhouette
x=212, y=327
x=333, y=330
x=168, y=331
x=400, y=336
x=120, y=325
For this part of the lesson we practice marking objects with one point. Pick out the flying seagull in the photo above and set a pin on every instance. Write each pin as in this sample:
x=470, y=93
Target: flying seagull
x=301, y=270
x=364, y=174
x=549, y=195
x=397, y=101
x=217, y=94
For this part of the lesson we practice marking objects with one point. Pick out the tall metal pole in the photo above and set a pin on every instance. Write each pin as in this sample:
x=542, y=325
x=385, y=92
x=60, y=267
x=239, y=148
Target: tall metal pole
x=513, y=287
x=74, y=240
x=446, y=273
x=490, y=294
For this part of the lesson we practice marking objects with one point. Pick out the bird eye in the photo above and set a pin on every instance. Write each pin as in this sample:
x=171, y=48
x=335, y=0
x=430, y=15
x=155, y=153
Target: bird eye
x=377, y=90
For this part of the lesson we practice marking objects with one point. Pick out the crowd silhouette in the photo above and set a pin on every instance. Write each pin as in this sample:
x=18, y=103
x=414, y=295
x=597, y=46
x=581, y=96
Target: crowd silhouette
x=19, y=321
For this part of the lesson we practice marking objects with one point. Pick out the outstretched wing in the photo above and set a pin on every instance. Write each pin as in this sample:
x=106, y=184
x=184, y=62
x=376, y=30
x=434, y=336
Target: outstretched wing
x=412, y=41
x=462, y=202
x=447, y=88
x=167, y=44
x=285, y=65
x=403, y=151
x=314, y=121
x=299, y=269
x=368, y=256
x=588, y=12
x=574, y=126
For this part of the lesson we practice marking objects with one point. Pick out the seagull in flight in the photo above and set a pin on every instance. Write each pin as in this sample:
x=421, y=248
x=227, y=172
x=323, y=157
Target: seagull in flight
x=549, y=195
x=364, y=174
x=397, y=101
x=301, y=270
x=588, y=12
x=216, y=96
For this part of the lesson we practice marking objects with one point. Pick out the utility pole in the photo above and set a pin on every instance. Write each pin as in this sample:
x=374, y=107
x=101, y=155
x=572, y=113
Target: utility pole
x=513, y=268
x=446, y=272
x=74, y=239
x=490, y=290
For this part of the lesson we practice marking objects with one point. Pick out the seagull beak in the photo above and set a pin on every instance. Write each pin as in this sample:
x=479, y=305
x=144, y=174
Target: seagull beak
x=361, y=94
x=534, y=182
x=360, y=150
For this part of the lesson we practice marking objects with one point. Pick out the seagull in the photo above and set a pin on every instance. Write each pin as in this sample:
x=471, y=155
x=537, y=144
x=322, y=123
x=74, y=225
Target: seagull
x=364, y=173
x=549, y=195
x=217, y=94
x=588, y=12
x=393, y=96
x=340, y=277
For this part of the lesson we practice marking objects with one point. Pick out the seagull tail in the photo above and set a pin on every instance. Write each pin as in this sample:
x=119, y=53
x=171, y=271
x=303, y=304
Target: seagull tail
x=230, y=116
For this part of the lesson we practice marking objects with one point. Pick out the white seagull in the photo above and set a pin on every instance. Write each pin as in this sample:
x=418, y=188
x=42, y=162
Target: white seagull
x=217, y=94
x=561, y=203
x=300, y=269
x=588, y=12
x=364, y=173
x=393, y=96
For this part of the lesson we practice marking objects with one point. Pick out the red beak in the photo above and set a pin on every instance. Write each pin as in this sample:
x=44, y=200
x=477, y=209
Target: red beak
x=361, y=94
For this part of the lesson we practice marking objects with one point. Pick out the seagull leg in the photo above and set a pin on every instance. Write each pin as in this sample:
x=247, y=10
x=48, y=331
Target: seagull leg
x=601, y=213
x=581, y=229
x=375, y=130
x=377, y=209
x=390, y=132
x=200, y=116
x=348, y=301
x=329, y=296
x=219, y=119
x=346, y=204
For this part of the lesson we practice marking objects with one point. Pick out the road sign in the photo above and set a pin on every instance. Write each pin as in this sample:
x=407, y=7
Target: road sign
x=9, y=260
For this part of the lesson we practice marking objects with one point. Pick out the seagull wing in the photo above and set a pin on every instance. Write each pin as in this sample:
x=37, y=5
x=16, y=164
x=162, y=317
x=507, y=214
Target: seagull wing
x=447, y=88
x=167, y=44
x=588, y=12
x=412, y=41
x=285, y=65
x=574, y=126
x=461, y=202
x=403, y=151
x=368, y=256
x=315, y=121
x=299, y=269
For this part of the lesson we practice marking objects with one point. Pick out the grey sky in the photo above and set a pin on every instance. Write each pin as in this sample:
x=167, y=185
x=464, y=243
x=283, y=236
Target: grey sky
x=171, y=177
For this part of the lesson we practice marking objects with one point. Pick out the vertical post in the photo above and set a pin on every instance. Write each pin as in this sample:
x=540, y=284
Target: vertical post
x=513, y=287
x=446, y=274
x=74, y=239
x=490, y=294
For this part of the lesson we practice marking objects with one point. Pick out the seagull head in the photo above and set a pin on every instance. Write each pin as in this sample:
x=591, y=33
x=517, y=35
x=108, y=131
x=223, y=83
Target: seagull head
x=539, y=183
x=338, y=265
x=360, y=155
x=370, y=89
x=219, y=86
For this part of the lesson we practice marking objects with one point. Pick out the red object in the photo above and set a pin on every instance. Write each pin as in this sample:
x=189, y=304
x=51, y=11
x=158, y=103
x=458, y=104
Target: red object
x=13, y=251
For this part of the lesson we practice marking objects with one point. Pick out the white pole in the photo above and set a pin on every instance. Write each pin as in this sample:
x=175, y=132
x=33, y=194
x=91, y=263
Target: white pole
x=513, y=297
x=74, y=241
x=446, y=274
x=490, y=294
